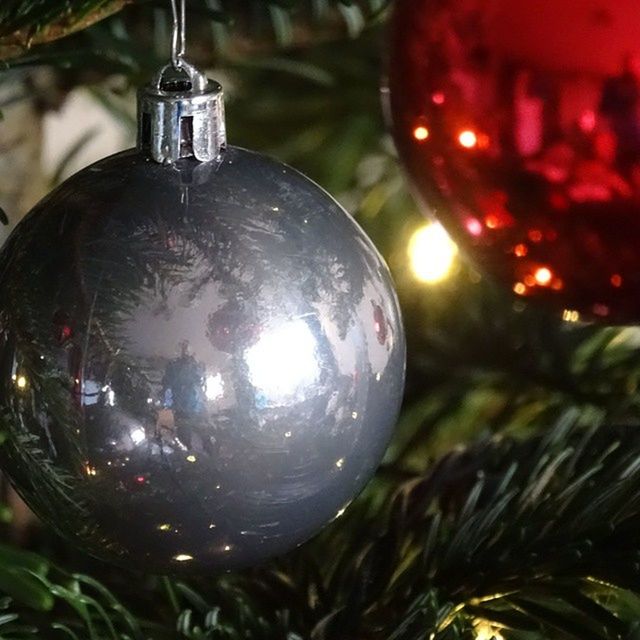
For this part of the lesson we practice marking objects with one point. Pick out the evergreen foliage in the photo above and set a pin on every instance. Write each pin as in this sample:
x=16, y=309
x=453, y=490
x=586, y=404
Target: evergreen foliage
x=508, y=506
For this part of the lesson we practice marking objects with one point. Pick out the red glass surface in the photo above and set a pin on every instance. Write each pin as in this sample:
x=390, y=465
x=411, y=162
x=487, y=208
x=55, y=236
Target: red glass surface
x=519, y=125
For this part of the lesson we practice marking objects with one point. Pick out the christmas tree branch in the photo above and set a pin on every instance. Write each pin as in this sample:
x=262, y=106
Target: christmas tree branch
x=25, y=24
x=534, y=537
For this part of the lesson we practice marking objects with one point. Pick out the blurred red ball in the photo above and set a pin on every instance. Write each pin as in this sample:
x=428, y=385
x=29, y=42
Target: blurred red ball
x=519, y=126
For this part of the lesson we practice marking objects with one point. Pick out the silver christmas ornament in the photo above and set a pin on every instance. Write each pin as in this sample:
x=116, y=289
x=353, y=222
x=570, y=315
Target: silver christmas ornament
x=201, y=353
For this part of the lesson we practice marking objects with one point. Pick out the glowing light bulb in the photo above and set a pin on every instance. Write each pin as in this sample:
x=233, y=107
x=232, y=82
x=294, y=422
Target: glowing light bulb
x=21, y=382
x=421, y=133
x=431, y=253
x=468, y=139
x=183, y=557
x=571, y=315
x=521, y=250
x=543, y=276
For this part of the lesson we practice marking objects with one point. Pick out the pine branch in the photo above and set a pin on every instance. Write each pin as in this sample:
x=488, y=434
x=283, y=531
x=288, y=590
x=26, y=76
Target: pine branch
x=536, y=537
x=25, y=23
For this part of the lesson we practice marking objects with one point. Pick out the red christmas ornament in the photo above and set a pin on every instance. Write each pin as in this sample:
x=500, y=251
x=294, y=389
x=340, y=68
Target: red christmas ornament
x=519, y=125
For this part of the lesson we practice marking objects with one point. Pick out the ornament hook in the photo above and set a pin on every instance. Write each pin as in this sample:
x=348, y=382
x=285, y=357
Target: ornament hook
x=179, y=34
x=181, y=112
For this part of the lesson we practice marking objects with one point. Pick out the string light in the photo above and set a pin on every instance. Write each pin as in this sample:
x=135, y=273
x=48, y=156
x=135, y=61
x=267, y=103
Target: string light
x=571, y=315
x=421, y=133
x=521, y=250
x=432, y=253
x=543, y=276
x=468, y=139
x=183, y=557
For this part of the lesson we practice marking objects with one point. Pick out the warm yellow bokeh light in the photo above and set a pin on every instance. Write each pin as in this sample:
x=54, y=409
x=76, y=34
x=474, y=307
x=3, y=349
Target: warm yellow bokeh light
x=21, y=382
x=183, y=557
x=432, y=253
x=571, y=315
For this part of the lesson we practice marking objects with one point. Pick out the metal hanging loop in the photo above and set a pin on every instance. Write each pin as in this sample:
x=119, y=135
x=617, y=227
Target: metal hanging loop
x=181, y=112
x=179, y=34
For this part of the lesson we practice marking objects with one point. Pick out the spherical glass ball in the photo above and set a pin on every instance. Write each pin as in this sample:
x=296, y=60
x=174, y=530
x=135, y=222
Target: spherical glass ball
x=200, y=364
x=519, y=125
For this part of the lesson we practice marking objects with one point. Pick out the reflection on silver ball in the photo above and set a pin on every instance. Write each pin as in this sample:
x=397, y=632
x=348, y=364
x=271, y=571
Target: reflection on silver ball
x=200, y=365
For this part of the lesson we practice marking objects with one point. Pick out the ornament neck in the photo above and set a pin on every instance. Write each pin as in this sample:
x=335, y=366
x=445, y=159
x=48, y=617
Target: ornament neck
x=181, y=115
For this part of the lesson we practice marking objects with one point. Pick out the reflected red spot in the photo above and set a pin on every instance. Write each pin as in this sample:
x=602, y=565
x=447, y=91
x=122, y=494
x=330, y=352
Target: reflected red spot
x=559, y=201
x=492, y=221
x=557, y=285
x=530, y=281
x=484, y=142
x=601, y=310
x=379, y=323
x=616, y=280
x=497, y=214
x=535, y=235
x=140, y=479
x=521, y=250
x=171, y=241
x=438, y=98
x=474, y=226
x=551, y=235
x=588, y=121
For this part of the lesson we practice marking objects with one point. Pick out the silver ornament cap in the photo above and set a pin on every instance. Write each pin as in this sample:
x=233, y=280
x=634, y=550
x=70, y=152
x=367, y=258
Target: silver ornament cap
x=181, y=115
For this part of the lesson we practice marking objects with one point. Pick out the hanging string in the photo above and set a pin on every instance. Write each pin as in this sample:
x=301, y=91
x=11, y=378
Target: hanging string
x=179, y=35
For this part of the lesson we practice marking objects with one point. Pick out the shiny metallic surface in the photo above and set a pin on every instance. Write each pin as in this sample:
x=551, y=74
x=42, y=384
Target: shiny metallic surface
x=200, y=364
x=181, y=115
x=519, y=125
